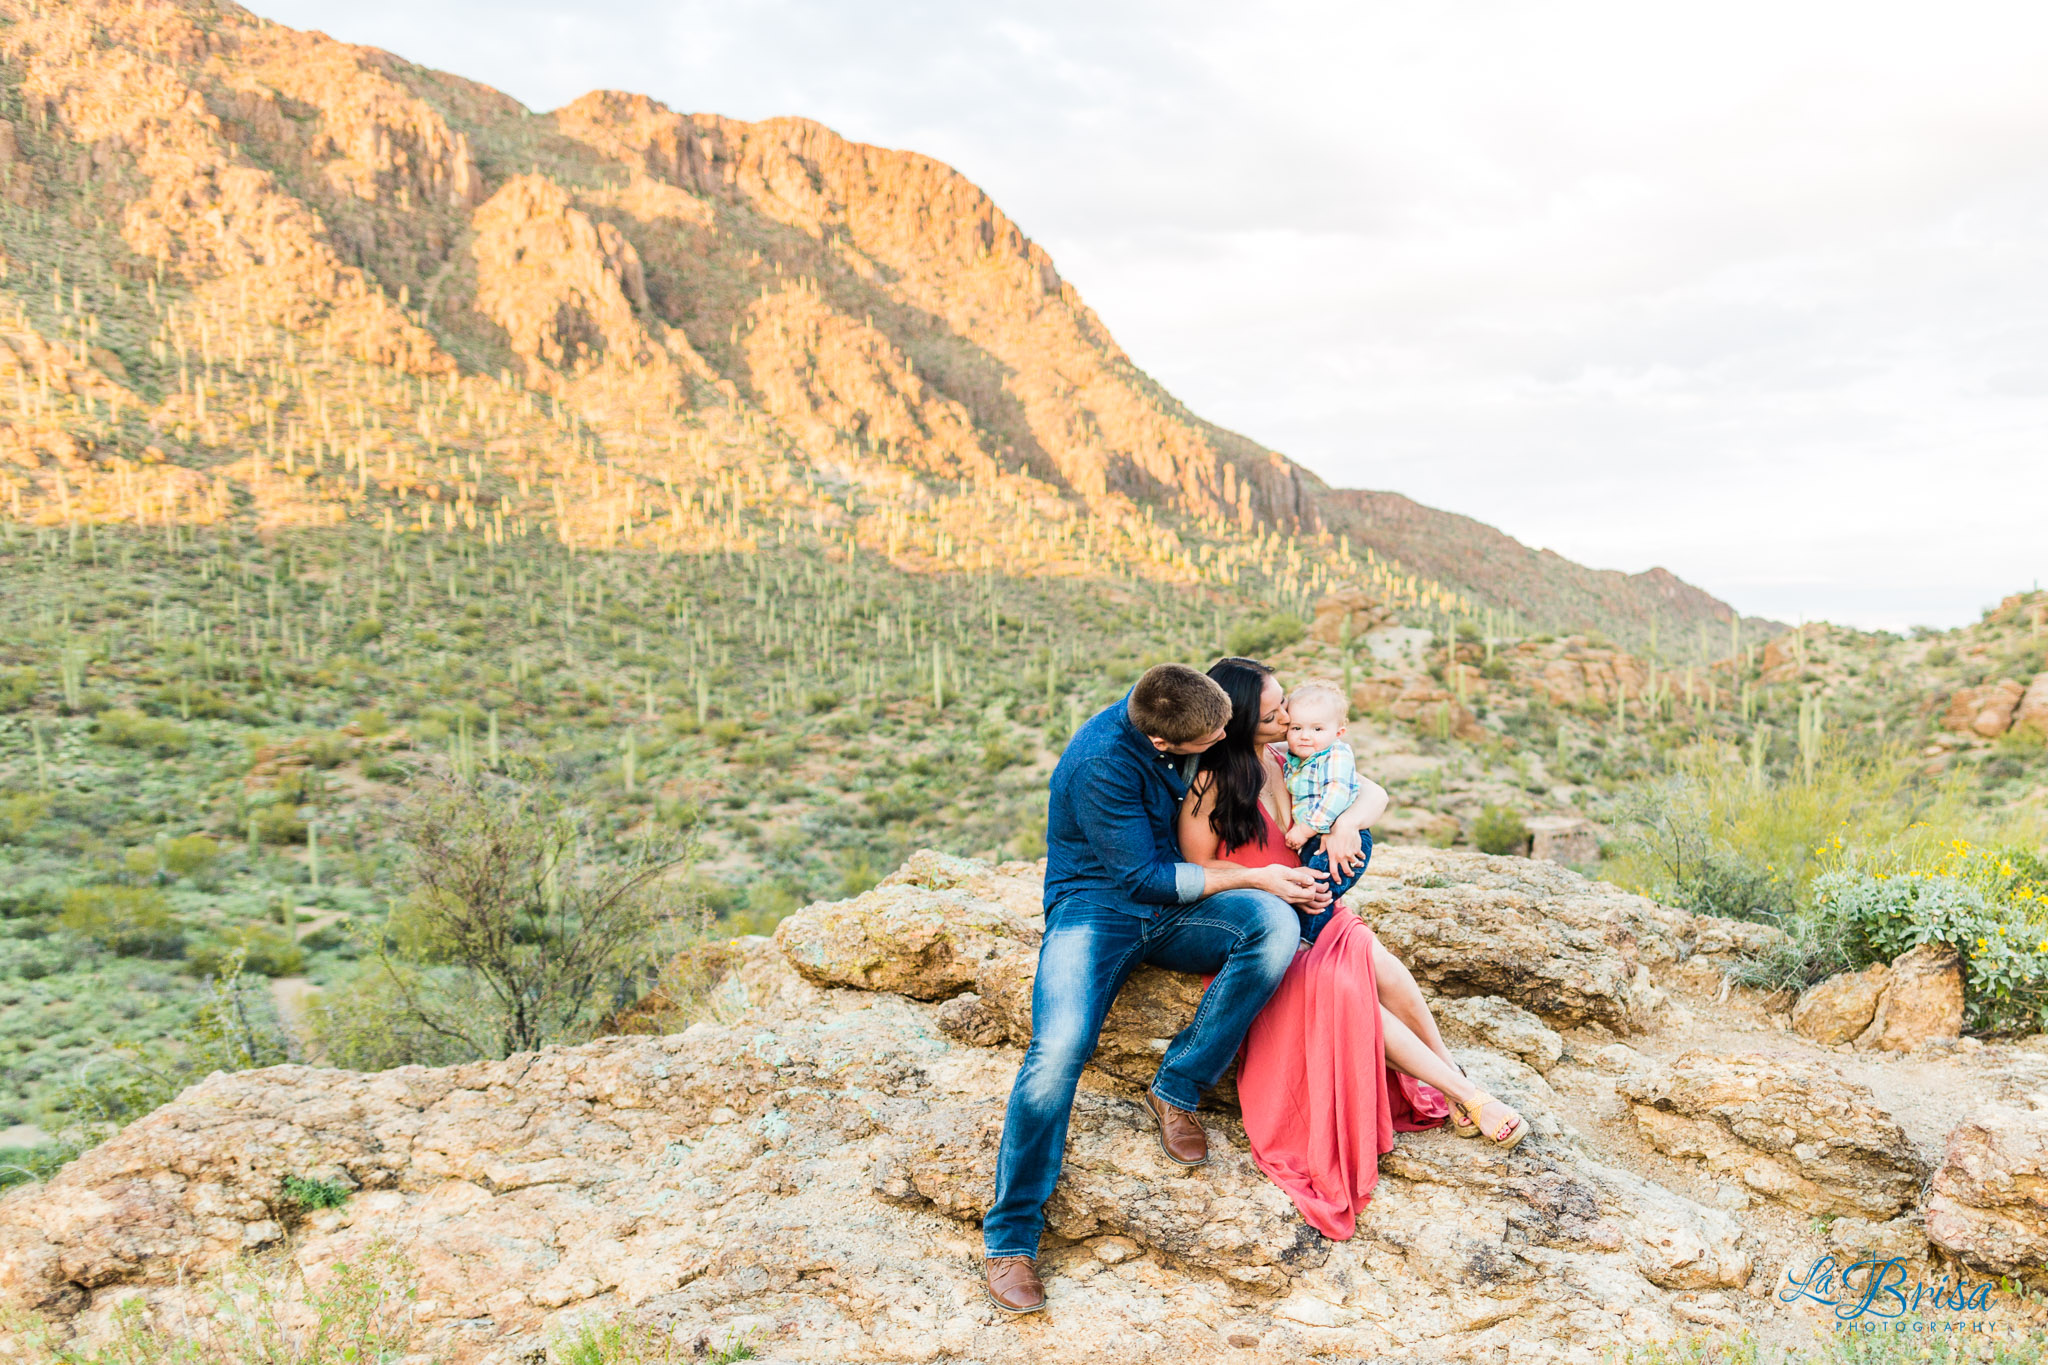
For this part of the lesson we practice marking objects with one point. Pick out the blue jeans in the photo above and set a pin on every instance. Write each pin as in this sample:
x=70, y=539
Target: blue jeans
x=1313, y=857
x=1247, y=938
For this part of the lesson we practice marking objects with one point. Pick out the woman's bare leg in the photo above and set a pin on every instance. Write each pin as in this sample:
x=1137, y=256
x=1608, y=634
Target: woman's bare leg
x=1400, y=994
x=1410, y=1056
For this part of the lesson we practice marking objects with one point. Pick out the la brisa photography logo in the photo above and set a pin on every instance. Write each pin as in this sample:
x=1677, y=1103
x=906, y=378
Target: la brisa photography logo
x=1881, y=1293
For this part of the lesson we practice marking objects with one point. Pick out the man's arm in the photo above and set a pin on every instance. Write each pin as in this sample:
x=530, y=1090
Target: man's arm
x=1298, y=886
x=1107, y=806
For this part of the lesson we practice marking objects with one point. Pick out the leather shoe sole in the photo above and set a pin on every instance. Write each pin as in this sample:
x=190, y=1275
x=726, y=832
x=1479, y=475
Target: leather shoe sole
x=990, y=1295
x=1159, y=1123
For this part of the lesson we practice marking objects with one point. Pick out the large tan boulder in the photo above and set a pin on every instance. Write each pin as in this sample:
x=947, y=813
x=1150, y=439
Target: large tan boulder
x=1491, y=1022
x=807, y=1176
x=1922, y=1002
x=1541, y=937
x=1346, y=615
x=1563, y=839
x=1986, y=711
x=1115, y=1181
x=1988, y=1206
x=925, y=931
x=1537, y=934
x=1839, y=1008
x=1786, y=1126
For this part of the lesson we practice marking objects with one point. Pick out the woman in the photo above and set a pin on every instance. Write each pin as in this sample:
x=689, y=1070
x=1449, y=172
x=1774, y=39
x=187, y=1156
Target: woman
x=1346, y=1052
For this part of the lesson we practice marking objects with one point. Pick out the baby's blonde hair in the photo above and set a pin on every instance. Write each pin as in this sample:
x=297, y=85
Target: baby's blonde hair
x=1322, y=687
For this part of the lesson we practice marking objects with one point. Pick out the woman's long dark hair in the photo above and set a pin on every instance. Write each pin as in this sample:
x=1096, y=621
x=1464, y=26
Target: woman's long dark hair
x=1237, y=772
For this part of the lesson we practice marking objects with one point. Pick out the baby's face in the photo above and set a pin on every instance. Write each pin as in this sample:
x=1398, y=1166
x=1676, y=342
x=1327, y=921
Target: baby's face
x=1313, y=726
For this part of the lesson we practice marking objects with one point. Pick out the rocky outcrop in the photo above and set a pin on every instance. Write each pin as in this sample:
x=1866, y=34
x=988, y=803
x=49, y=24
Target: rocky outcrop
x=1986, y=711
x=927, y=931
x=1789, y=1128
x=1841, y=1007
x=1545, y=938
x=1922, y=1002
x=1491, y=1022
x=1989, y=1201
x=1346, y=617
x=809, y=1173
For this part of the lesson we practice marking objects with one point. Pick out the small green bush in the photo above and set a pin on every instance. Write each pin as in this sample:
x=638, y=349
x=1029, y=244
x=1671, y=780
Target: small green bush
x=280, y=825
x=328, y=751
x=1254, y=639
x=262, y=951
x=303, y=1194
x=131, y=921
x=185, y=700
x=2003, y=942
x=133, y=730
x=17, y=688
x=1500, y=830
x=21, y=813
x=189, y=856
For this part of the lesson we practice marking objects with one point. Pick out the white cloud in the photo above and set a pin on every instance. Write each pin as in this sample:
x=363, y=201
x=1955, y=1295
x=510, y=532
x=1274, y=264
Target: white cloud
x=1752, y=291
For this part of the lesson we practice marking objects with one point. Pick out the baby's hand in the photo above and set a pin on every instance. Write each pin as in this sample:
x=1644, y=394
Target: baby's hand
x=1299, y=834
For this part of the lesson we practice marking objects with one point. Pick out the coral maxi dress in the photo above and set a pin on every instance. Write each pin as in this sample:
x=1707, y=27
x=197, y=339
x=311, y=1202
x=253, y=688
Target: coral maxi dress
x=1320, y=1102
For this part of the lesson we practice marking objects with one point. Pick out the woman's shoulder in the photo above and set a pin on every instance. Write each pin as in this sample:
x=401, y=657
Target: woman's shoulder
x=1277, y=753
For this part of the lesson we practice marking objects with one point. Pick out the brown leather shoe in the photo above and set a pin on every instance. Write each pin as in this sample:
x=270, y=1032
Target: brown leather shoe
x=1013, y=1284
x=1180, y=1137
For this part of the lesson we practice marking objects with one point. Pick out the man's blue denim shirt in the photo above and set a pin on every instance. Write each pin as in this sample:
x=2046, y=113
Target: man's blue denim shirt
x=1109, y=830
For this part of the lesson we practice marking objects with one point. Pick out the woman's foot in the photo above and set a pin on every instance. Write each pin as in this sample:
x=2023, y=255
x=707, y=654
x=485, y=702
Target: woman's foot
x=1484, y=1115
x=1460, y=1124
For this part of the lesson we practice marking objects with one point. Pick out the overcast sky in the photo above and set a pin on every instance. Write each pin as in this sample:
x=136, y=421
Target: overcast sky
x=1758, y=292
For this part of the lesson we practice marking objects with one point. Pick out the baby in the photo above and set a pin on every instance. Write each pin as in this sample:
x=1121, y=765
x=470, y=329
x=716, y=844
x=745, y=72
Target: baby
x=1321, y=776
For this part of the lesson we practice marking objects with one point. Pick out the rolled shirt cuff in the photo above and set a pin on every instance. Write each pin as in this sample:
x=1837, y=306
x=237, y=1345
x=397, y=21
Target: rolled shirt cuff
x=1188, y=881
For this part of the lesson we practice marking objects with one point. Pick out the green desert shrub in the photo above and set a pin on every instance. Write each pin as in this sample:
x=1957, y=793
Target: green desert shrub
x=1256, y=639
x=189, y=856
x=1500, y=830
x=256, y=948
x=131, y=921
x=279, y=824
x=133, y=730
x=235, y=1028
x=188, y=700
x=21, y=813
x=305, y=1194
x=17, y=688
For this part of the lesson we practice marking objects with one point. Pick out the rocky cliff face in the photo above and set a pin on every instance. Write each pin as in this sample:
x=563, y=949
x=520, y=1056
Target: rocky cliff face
x=804, y=1169
x=256, y=239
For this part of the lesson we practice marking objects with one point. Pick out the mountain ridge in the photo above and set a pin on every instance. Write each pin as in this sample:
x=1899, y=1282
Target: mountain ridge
x=614, y=296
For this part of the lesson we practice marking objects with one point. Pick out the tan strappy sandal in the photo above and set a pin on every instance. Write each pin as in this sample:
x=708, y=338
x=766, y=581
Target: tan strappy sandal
x=1504, y=1134
x=1460, y=1124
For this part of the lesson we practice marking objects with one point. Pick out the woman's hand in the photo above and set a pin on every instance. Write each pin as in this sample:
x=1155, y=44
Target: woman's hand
x=1301, y=887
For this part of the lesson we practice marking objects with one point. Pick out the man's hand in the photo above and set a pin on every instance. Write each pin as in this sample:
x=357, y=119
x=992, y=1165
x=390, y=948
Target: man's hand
x=1301, y=887
x=1346, y=849
x=1298, y=834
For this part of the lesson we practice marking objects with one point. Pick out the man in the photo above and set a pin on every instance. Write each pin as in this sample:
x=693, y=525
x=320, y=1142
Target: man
x=1117, y=895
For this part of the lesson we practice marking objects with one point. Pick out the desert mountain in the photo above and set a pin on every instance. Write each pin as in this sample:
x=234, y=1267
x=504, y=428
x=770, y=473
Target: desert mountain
x=258, y=273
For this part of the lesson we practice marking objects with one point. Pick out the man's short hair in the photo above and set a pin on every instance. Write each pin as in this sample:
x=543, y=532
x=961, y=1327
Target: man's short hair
x=1178, y=704
x=1326, y=689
